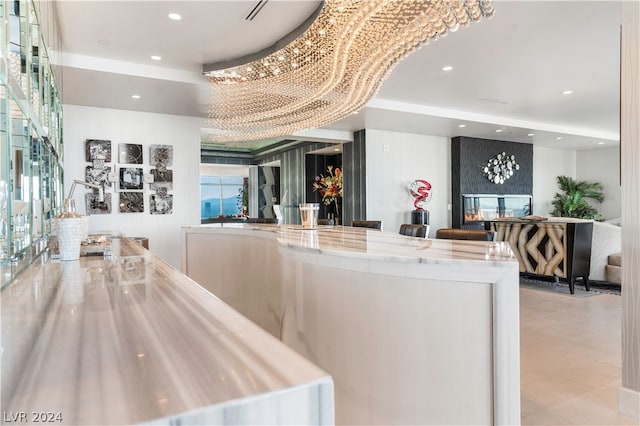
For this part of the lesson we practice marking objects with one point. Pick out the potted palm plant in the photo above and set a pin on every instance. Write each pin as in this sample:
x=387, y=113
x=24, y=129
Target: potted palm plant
x=572, y=200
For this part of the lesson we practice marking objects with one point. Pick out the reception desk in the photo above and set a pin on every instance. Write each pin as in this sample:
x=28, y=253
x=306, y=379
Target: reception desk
x=556, y=246
x=127, y=339
x=412, y=330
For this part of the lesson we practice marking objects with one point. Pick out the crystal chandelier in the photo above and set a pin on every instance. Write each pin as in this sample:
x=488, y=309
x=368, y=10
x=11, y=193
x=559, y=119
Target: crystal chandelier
x=332, y=69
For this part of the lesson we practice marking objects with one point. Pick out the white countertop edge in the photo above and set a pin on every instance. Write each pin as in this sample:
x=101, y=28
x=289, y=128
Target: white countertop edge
x=238, y=402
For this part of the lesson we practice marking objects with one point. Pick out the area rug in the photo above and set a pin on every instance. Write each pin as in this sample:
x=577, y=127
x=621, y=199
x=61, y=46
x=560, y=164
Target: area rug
x=596, y=287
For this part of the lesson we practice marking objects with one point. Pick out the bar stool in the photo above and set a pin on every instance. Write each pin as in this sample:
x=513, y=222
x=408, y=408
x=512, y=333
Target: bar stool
x=373, y=224
x=414, y=230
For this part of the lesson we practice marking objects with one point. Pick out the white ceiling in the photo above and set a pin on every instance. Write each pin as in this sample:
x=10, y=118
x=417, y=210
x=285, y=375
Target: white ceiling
x=509, y=71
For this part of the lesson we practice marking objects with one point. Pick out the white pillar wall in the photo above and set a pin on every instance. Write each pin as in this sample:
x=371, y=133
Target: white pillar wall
x=629, y=395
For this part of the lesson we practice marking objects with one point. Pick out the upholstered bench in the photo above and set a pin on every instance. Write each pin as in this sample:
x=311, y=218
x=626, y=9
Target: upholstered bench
x=465, y=234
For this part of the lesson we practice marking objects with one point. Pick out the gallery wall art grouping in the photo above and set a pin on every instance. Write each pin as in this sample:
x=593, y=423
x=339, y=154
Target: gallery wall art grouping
x=128, y=177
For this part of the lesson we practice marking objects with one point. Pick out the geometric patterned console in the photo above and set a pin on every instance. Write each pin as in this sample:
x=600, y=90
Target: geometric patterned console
x=559, y=247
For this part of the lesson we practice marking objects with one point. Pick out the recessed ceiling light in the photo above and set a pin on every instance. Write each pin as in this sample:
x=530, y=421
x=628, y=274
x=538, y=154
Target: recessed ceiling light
x=558, y=138
x=156, y=57
x=336, y=149
x=355, y=112
x=531, y=134
x=447, y=68
x=174, y=16
x=462, y=125
x=135, y=96
x=600, y=143
x=567, y=92
x=499, y=131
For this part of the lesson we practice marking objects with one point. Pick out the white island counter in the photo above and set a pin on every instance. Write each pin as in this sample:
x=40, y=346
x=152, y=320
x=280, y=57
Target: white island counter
x=413, y=331
x=127, y=339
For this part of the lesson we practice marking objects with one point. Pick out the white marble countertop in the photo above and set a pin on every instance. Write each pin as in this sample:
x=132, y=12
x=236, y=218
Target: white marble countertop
x=128, y=339
x=373, y=244
x=392, y=318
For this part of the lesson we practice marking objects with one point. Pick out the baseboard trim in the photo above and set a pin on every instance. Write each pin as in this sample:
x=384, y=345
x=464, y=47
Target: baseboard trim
x=629, y=403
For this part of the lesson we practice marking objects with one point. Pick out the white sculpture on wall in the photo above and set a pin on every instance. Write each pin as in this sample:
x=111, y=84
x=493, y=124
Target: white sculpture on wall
x=500, y=168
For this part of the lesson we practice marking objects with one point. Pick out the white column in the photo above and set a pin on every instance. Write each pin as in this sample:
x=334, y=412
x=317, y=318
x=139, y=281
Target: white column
x=629, y=394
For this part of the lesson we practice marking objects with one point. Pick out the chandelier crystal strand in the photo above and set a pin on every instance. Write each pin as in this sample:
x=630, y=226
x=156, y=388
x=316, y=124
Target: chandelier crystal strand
x=333, y=69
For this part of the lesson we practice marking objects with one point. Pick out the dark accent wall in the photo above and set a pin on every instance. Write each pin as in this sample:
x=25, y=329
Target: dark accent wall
x=316, y=164
x=470, y=155
x=354, y=166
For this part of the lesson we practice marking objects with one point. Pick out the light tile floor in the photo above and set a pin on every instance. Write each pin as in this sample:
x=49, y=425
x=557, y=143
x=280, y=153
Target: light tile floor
x=570, y=361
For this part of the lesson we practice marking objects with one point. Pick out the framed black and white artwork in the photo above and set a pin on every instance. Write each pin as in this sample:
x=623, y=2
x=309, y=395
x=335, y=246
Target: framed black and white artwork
x=98, y=176
x=161, y=156
x=130, y=179
x=161, y=179
x=161, y=204
x=129, y=153
x=132, y=202
x=95, y=206
x=98, y=150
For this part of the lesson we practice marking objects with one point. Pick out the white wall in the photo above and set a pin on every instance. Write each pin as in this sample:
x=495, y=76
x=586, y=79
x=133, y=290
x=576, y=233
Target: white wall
x=408, y=157
x=548, y=164
x=119, y=126
x=602, y=165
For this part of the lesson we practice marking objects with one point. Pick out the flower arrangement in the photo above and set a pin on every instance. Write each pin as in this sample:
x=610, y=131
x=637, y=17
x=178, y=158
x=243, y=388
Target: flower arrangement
x=329, y=186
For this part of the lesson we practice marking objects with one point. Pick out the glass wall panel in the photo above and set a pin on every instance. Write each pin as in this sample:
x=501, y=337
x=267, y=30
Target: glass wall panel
x=46, y=176
x=31, y=186
x=3, y=41
x=21, y=180
x=34, y=68
x=45, y=76
x=36, y=186
x=57, y=187
x=4, y=179
x=18, y=44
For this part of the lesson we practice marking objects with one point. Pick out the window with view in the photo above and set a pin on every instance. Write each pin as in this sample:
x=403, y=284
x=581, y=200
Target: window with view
x=221, y=196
